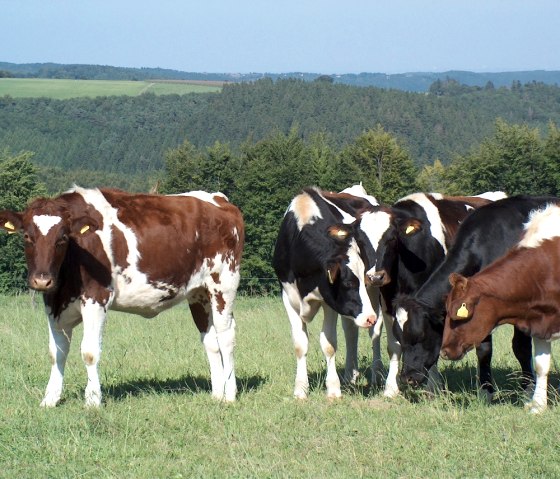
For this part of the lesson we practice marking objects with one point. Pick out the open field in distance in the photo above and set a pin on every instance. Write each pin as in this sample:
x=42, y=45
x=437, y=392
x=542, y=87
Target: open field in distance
x=64, y=89
x=158, y=419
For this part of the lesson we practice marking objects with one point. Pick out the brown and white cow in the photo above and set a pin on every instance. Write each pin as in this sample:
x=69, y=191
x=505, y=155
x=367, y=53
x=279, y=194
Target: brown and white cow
x=91, y=250
x=521, y=288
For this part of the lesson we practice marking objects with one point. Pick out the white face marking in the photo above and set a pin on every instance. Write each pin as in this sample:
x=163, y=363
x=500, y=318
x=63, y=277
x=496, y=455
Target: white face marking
x=45, y=222
x=402, y=317
x=375, y=224
x=357, y=266
x=437, y=229
x=543, y=224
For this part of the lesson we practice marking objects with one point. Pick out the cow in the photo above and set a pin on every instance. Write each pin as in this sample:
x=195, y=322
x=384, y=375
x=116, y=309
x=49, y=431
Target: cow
x=91, y=250
x=319, y=261
x=411, y=239
x=485, y=235
x=520, y=288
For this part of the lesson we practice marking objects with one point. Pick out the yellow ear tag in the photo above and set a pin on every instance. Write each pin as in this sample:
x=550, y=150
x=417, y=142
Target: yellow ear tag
x=463, y=312
x=409, y=229
x=342, y=234
x=84, y=229
x=330, y=277
x=9, y=226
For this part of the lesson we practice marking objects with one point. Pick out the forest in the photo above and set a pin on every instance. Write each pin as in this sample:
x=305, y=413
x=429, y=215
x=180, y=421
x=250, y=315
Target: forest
x=261, y=142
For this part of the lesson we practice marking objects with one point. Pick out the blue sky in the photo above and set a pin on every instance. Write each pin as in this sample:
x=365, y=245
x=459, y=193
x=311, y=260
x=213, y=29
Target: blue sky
x=329, y=36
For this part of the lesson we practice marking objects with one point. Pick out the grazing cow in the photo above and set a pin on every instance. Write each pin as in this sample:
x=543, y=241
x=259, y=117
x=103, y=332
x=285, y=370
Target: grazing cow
x=520, y=288
x=318, y=261
x=484, y=236
x=412, y=238
x=91, y=250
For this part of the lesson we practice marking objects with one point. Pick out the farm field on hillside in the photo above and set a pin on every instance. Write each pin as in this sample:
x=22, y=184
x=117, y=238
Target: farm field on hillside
x=158, y=419
x=64, y=89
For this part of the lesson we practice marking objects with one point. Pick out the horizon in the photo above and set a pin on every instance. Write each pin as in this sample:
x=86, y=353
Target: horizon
x=389, y=37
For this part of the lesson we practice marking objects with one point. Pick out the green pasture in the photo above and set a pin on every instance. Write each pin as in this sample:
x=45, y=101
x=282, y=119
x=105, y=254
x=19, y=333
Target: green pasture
x=159, y=421
x=64, y=89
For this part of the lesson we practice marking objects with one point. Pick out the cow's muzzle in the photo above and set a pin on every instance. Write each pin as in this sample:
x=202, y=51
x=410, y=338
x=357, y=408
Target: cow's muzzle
x=378, y=278
x=42, y=282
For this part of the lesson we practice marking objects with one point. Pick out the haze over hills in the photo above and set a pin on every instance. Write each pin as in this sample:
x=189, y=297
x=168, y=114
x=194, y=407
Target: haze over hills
x=413, y=81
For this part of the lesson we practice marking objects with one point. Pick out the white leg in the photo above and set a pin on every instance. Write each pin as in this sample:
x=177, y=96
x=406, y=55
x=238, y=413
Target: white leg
x=300, y=339
x=59, y=346
x=94, y=316
x=542, y=367
x=328, y=341
x=351, y=333
x=394, y=350
x=212, y=348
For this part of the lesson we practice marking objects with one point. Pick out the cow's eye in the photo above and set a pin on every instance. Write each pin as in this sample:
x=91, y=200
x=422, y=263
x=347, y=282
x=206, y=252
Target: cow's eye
x=62, y=241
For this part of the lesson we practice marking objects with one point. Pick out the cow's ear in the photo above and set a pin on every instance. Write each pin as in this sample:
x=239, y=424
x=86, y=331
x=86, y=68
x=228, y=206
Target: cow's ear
x=339, y=232
x=411, y=226
x=11, y=221
x=457, y=280
x=84, y=225
x=333, y=270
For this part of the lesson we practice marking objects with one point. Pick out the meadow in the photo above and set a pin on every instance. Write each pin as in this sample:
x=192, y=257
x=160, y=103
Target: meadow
x=65, y=89
x=158, y=419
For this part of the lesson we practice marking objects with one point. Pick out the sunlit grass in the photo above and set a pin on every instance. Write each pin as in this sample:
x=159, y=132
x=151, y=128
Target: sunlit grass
x=158, y=419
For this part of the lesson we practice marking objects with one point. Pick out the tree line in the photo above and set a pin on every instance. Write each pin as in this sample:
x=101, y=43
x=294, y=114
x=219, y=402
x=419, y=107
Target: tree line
x=261, y=177
x=125, y=138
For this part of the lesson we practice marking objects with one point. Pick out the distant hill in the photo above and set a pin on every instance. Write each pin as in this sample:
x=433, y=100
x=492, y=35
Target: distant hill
x=413, y=82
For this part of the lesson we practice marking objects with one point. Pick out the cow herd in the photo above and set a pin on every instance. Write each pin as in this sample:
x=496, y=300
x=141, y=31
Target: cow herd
x=439, y=272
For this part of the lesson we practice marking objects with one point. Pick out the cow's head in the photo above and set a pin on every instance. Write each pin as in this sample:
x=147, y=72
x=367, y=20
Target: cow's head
x=47, y=228
x=469, y=318
x=419, y=330
x=344, y=273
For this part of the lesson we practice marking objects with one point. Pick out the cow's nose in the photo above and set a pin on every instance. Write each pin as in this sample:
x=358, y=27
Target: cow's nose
x=378, y=278
x=41, y=282
x=443, y=354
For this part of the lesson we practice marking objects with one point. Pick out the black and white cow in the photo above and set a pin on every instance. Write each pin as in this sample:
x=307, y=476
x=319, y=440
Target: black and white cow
x=411, y=239
x=319, y=263
x=486, y=234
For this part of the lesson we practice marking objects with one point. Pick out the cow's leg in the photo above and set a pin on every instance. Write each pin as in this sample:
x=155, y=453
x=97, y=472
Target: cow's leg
x=542, y=367
x=59, y=346
x=484, y=355
x=328, y=342
x=522, y=347
x=93, y=316
x=300, y=339
x=376, y=363
x=224, y=324
x=375, y=336
x=351, y=335
x=394, y=351
x=202, y=315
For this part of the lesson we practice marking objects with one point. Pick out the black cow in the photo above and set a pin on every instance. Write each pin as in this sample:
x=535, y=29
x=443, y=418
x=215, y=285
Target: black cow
x=409, y=241
x=486, y=234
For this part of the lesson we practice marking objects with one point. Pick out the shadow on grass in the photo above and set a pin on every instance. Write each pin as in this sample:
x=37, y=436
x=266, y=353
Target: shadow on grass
x=189, y=385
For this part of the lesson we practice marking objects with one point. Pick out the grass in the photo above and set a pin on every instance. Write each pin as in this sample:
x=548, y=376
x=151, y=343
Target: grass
x=64, y=89
x=158, y=419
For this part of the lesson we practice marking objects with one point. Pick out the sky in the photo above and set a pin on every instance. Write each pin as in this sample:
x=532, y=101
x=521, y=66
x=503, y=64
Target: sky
x=280, y=36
